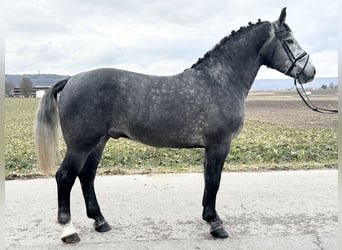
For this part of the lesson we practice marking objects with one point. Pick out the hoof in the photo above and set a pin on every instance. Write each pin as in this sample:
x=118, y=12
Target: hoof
x=102, y=226
x=69, y=234
x=71, y=239
x=219, y=232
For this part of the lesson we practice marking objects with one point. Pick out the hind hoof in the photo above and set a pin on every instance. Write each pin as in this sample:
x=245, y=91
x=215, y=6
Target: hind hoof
x=71, y=239
x=102, y=226
x=219, y=232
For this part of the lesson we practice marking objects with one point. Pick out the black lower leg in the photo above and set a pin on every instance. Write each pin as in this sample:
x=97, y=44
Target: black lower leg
x=64, y=186
x=87, y=177
x=93, y=209
x=214, y=161
x=65, y=178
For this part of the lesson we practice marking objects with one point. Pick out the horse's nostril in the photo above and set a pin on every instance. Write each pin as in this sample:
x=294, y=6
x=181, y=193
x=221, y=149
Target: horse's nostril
x=314, y=71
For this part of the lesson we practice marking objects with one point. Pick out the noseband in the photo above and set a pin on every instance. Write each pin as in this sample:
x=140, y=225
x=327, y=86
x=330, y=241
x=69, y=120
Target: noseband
x=294, y=59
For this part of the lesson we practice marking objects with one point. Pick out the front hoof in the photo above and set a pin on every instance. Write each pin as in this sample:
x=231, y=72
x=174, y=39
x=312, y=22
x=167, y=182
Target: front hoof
x=102, y=226
x=219, y=232
x=71, y=239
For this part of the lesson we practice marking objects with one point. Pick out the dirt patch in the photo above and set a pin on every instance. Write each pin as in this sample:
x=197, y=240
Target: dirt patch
x=292, y=112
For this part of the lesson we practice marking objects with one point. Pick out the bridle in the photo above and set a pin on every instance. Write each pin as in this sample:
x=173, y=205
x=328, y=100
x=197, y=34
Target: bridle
x=294, y=59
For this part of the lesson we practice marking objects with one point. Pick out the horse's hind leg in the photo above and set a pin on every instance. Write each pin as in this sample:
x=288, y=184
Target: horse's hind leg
x=214, y=161
x=65, y=178
x=87, y=176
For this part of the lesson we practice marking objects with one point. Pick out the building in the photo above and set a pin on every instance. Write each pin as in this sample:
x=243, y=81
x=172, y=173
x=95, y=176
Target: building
x=37, y=91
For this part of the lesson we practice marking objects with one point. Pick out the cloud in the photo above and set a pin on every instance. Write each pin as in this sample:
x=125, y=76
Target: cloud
x=26, y=18
x=155, y=37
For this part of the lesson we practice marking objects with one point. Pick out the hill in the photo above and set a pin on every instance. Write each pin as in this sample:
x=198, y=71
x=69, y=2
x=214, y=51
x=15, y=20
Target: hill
x=287, y=84
x=37, y=79
x=259, y=84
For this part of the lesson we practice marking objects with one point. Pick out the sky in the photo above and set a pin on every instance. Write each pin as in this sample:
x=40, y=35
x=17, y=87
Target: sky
x=152, y=36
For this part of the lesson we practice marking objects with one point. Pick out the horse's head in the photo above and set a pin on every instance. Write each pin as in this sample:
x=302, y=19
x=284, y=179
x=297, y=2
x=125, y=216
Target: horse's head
x=285, y=54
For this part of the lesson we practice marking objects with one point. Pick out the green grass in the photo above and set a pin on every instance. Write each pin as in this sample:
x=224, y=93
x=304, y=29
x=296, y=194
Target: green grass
x=19, y=121
x=260, y=146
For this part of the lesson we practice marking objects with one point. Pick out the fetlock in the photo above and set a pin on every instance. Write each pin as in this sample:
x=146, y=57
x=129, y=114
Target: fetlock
x=208, y=215
x=63, y=218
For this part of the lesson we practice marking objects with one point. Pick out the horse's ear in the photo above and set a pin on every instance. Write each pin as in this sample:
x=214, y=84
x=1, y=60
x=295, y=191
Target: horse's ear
x=282, y=16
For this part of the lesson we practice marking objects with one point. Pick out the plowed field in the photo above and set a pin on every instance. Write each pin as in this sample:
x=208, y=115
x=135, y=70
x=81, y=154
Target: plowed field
x=285, y=107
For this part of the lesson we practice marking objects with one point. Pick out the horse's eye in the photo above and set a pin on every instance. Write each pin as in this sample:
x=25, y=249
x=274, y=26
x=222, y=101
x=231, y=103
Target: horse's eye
x=290, y=41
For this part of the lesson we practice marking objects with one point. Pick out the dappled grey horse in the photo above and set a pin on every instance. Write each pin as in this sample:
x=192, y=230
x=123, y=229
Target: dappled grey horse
x=201, y=107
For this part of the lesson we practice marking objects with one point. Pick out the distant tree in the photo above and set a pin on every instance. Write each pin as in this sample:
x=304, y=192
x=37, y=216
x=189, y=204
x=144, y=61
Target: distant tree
x=324, y=86
x=9, y=87
x=331, y=85
x=26, y=87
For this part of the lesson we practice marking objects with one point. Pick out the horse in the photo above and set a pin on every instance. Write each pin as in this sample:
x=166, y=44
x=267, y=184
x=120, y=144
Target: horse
x=201, y=107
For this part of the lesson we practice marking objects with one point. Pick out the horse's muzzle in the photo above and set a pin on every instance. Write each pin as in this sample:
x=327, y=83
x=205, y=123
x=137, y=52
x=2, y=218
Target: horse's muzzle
x=307, y=75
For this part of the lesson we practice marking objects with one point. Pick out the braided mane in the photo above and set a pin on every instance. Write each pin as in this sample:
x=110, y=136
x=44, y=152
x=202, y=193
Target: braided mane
x=233, y=34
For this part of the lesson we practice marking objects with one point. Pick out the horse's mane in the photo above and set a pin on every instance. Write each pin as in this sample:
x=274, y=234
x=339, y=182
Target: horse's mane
x=233, y=34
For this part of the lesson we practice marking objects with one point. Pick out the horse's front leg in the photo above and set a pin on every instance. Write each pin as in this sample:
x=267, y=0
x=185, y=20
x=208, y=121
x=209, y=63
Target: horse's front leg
x=215, y=156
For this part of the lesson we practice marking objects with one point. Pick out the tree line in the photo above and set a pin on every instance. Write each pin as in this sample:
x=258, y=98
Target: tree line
x=330, y=86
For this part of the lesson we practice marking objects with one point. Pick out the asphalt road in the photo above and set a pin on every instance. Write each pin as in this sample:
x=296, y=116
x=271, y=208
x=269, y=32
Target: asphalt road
x=272, y=210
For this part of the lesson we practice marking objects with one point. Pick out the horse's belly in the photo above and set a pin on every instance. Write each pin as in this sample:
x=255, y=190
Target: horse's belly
x=160, y=140
x=157, y=137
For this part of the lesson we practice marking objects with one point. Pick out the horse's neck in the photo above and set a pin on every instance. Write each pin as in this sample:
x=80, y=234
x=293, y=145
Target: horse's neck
x=238, y=61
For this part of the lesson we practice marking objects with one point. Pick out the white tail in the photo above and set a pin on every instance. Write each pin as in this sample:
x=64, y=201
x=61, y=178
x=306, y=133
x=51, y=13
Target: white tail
x=46, y=130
